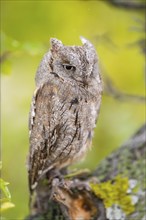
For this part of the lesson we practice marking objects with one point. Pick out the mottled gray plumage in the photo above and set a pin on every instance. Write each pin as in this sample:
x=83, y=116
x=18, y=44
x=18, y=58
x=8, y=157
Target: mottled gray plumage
x=64, y=108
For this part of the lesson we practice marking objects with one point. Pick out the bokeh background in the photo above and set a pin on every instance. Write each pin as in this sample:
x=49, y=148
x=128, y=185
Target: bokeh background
x=26, y=27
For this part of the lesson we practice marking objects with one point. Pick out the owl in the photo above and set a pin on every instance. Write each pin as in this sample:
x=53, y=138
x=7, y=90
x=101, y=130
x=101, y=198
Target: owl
x=64, y=109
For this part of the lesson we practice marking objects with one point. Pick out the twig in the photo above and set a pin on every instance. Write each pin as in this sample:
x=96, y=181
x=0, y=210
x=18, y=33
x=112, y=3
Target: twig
x=4, y=56
x=111, y=90
x=128, y=4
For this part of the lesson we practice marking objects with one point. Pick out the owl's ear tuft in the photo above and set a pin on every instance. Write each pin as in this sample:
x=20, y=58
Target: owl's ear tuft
x=89, y=48
x=86, y=42
x=55, y=44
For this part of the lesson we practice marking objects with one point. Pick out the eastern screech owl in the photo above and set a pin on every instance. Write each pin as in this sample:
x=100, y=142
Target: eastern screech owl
x=64, y=108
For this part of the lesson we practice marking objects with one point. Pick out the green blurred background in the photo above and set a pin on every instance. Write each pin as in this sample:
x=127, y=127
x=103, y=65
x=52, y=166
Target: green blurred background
x=26, y=27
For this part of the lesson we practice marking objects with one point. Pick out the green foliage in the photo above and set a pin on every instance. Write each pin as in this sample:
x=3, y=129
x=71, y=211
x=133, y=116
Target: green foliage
x=11, y=48
x=6, y=199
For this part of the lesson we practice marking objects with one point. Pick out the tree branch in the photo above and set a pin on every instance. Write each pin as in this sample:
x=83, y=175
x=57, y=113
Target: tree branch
x=79, y=202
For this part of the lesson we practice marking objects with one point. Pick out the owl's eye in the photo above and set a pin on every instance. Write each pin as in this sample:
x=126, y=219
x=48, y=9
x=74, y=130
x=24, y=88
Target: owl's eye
x=69, y=67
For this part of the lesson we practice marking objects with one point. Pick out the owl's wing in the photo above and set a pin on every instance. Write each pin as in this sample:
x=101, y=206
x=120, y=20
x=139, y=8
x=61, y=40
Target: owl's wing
x=39, y=125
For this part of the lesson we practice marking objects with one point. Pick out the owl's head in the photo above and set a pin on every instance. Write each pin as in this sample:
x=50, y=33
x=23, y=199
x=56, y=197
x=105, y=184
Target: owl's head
x=79, y=63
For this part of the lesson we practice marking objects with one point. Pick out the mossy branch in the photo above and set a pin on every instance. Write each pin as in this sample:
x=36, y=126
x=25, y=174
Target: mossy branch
x=121, y=174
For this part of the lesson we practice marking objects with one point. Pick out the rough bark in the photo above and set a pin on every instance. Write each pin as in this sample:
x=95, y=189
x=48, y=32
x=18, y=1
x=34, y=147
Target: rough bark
x=77, y=200
x=128, y=4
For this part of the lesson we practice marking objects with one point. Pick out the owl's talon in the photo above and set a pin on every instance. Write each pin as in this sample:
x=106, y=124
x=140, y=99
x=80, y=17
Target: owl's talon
x=80, y=185
x=57, y=187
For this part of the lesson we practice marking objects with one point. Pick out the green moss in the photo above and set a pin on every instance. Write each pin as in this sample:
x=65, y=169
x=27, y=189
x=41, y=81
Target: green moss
x=115, y=192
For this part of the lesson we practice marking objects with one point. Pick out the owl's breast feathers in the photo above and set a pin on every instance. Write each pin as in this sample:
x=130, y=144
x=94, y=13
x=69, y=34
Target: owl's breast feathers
x=61, y=123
